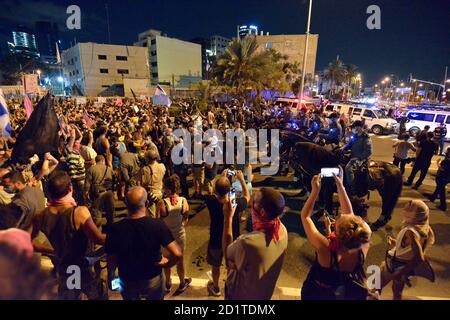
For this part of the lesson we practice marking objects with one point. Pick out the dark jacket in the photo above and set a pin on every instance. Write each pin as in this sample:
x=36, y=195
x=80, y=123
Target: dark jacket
x=360, y=146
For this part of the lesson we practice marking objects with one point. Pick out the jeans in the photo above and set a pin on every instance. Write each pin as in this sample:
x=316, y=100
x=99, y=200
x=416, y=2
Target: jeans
x=423, y=168
x=350, y=175
x=401, y=162
x=441, y=182
x=151, y=289
x=441, y=143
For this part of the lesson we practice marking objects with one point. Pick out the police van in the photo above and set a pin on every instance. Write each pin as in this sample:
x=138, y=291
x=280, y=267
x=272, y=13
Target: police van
x=418, y=119
x=294, y=104
x=375, y=119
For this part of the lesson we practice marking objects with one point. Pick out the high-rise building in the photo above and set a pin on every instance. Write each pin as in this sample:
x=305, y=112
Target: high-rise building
x=207, y=60
x=24, y=41
x=218, y=45
x=47, y=37
x=293, y=47
x=245, y=30
x=172, y=61
x=94, y=69
x=212, y=48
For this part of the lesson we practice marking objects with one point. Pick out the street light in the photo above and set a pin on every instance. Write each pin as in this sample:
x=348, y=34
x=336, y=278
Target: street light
x=39, y=76
x=402, y=84
x=302, y=84
x=387, y=79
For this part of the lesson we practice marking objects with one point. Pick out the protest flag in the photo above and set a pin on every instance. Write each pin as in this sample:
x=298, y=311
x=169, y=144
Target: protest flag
x=88, y=120
x=5, y=123
x=40, y=134
x=28, y=106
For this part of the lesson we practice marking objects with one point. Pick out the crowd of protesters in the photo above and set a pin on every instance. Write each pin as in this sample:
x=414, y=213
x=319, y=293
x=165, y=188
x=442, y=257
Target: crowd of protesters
x=62, y=203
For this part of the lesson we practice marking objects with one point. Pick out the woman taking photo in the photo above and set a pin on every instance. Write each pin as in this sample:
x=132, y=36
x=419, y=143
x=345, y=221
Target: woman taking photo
x=174, y=210
x=407, y=251
x=337, y=272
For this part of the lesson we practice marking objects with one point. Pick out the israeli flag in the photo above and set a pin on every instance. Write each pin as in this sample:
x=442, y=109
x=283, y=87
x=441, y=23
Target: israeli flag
x=160, y=97
x=5, y=123
x=159, y=91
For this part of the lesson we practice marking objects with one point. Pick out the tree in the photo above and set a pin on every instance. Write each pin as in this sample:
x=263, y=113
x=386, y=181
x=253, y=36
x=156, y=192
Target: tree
x=350, y=77
x=244, y=68
x=14, y=65
x=336, y=74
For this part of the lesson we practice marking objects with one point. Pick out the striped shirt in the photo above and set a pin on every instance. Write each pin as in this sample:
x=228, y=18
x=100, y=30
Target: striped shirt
x=75, y=162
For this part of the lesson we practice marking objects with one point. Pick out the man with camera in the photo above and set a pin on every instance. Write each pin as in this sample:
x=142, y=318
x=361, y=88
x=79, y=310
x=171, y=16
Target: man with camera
x=215, y=203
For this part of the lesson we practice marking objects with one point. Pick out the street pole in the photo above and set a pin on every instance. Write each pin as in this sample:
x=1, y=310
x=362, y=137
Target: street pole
x=107, y=21
x=302, y=85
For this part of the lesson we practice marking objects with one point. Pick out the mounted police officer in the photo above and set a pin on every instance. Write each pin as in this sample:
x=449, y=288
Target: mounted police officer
x=360, y=146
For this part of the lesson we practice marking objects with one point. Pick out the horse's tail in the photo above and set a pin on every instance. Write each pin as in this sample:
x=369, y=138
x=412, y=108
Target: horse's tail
x=392, y=189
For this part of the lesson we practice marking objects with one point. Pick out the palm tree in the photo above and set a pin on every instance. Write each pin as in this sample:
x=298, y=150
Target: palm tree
x=236, y=66
x=351, y=75
x=336, y=74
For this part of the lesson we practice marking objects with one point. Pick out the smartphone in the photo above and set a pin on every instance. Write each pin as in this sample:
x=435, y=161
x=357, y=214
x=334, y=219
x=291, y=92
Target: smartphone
x=115, y=284
x=231, y=173
x=233, y=198
x=328, y=172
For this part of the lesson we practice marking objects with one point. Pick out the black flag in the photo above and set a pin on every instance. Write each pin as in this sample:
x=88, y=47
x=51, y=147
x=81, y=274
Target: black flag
x=40, y=134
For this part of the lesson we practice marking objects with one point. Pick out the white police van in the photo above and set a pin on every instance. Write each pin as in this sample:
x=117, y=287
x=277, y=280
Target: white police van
x=418, y=119
x=376, y=119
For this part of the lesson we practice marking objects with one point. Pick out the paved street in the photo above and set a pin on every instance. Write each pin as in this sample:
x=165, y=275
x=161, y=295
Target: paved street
x=300, y=254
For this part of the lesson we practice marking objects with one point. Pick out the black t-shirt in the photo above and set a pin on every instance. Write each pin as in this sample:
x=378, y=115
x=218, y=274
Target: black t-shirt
x=427, y=150
x=444, y=169
x=137, y=246
x=215, y=209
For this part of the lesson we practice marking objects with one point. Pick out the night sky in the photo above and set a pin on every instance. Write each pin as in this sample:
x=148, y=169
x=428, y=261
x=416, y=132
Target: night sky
x=414, y=35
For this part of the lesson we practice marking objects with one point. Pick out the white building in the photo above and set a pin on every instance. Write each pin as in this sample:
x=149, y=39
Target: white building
x=100, y=69
x=172, y=61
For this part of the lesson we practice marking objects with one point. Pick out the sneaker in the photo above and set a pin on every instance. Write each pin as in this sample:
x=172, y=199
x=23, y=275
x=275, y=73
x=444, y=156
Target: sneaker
x=212, y=290
x=415, y=187
x=181, y=289
x=442, y=208
x=407, y=183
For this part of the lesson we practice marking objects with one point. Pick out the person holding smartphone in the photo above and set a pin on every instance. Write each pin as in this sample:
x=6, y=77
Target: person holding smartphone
x=337, y=272
x=216, y=206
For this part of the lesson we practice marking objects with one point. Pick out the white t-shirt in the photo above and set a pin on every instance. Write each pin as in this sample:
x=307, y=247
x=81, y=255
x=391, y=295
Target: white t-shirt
x=254, y=266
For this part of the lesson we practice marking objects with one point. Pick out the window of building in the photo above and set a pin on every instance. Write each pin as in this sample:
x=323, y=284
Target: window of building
x=122, y=71
x=440, y=118
x=78, y=72
x=154, y=64
x=153, y=41
x=121, y=58
x=76, y=58
x=153, y=53
x=155, y=74
x=104, y=71
x=102, y=57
